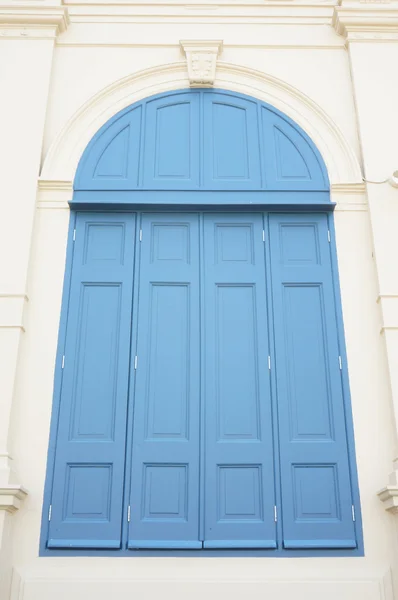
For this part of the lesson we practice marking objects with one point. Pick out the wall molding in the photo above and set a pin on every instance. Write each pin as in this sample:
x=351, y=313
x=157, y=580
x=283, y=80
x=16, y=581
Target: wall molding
x=47, y=575
x=389, y=494
x=63, y=156
x=389, y=313
x=370, y=22
x=37, y=21
x=12, y=309
x=348, y=188
x=173, y=12
x=11, y=497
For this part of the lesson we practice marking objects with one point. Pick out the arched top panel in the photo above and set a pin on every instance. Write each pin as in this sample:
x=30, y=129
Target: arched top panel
x=201, y=140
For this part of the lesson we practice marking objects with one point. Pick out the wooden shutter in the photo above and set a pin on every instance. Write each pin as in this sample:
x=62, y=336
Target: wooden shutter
x=90, y=452
x=164, y=495
x=315, y=473
x=239, y=458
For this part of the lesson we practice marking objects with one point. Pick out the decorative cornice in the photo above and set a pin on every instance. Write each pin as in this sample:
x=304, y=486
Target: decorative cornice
x=11, y=497
x=201, y=60
x=36, y=21
x=372, y=23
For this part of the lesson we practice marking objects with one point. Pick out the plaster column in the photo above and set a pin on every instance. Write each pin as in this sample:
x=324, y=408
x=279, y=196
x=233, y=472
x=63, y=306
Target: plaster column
x=27, y=37
x=371, y=32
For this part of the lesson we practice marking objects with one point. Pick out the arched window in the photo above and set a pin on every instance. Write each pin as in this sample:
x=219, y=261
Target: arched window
x=201, y=396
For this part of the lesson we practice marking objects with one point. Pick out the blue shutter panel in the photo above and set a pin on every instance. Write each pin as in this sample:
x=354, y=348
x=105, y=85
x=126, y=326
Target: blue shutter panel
x=239, y=458
x=231, y=143
x=315, y=474
x=112, y=157
x=89, y=462
x=164, y=495
x=171, y=159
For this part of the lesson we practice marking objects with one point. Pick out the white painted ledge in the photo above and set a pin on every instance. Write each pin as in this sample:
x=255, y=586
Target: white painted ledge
x=11, y=497
x=371, y=23
x=389, y=495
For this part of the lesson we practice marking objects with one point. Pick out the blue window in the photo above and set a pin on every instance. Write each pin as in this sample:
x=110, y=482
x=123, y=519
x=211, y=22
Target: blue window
x=201, y=402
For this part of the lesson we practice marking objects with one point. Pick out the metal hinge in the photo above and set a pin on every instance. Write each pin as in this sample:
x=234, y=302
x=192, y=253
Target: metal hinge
x=328, y=236
x=74, y=234
x=63, y=362
x=128, y=514
x=340, y=363
x=140, y=235
x=49, y=512
x=269, y=363
x=135, y=363
x=263, y=235
x=275, y=514
x=353, y=512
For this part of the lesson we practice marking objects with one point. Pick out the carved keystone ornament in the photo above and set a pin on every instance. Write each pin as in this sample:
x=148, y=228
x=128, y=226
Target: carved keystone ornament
x=202, y=60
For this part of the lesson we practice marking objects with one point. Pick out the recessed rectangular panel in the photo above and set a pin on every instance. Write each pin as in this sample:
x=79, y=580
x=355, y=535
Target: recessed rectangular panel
x=239, y=493
x=299, y=244
x=165, y=492
x=104, y=244
x=234, y=243
x=173, y=143
x=237, y=385
x=316, y=494
x=309, y=394
x=230, y=142
x=96, y=363
x=87, y=492
x=169, y=359
x=170, y=242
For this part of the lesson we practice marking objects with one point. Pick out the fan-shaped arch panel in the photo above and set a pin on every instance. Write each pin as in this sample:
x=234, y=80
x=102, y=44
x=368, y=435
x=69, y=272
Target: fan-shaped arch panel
x=201, y=140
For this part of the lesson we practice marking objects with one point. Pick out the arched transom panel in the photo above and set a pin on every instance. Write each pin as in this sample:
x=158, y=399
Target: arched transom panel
x=201, y=140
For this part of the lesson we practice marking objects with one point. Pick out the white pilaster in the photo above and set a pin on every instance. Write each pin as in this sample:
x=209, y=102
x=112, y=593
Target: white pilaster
x=27, y=36
x=371, y=33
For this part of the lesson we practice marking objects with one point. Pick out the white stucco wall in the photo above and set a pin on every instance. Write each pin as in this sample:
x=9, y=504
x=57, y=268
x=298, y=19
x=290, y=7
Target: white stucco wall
x=292, y=57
